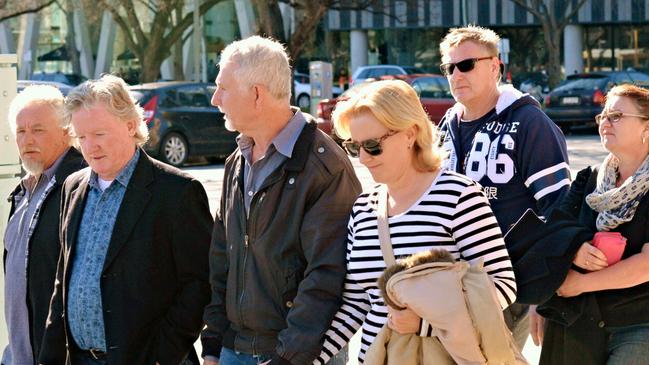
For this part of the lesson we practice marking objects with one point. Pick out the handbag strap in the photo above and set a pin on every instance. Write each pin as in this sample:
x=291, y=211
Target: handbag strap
x=383, y=227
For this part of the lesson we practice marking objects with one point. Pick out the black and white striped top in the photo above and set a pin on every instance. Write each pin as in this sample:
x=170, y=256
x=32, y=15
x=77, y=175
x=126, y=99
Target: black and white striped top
x=453, y=214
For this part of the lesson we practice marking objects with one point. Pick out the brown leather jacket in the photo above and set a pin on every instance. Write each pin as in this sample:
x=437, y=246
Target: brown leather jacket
x=277, y=275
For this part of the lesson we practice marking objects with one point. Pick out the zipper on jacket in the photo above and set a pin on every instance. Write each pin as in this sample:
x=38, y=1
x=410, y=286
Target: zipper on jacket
x=248, y=236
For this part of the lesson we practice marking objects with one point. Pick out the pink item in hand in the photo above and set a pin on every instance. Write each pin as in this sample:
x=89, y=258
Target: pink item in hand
x=611, y=244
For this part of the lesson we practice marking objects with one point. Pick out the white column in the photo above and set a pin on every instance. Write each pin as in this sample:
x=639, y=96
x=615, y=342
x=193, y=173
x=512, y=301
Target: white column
x=27, y=43
x=287, y=18
x=106, y=45
x=6, y=39
x=358, y=45
x=82, y=39
x=573, y=48
x=245, y=17
x=167, y=68
x=188, y=55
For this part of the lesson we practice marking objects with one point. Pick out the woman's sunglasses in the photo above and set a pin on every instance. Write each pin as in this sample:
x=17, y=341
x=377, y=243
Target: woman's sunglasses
x=372, y=146
x=615, y=117
x=464, y=65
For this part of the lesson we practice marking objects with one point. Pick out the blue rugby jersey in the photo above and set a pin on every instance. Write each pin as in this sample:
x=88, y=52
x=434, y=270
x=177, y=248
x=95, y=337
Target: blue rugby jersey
x=519, y=156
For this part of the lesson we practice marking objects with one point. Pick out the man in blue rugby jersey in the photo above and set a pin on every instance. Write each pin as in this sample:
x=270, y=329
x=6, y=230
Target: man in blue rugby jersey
x=501, y=138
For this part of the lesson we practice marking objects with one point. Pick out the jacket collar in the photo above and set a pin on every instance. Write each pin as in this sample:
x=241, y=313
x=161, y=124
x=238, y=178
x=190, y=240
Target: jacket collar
x=302, y=147
x=72, y=161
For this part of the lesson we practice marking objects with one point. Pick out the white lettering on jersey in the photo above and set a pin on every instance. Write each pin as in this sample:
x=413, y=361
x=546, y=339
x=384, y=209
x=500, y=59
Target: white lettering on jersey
x=491, y=192
x=484, y=158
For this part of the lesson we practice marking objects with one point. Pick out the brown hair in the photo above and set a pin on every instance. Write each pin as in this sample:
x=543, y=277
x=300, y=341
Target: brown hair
x=638, y=95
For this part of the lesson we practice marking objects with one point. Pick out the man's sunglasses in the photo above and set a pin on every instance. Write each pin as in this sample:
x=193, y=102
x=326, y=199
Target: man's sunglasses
x=372, y=146
x=615, y=117
x=464, y=65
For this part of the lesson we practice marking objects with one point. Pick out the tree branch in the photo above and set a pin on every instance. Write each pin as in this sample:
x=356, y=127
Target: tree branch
x=177, y=32
x=572, y=13
x=134, y=22
x=22, y=7
x=536, y=12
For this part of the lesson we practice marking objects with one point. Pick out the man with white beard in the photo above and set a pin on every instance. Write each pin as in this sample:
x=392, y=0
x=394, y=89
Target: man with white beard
x=31, y=240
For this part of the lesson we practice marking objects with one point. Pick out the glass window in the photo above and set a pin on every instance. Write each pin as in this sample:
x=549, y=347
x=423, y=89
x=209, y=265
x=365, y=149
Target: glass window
x=192, y=96
x=430, y=87
x=169, y=99
x=640, y=78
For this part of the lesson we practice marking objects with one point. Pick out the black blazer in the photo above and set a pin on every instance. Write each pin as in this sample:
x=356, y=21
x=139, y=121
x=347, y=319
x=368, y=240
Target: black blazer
x=44, y=248
x=155, y=277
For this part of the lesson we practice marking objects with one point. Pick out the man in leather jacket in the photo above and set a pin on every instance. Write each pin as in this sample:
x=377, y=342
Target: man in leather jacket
x=277, y=259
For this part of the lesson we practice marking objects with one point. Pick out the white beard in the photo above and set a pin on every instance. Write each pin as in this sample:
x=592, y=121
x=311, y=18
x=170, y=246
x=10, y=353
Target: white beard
x=33, y=167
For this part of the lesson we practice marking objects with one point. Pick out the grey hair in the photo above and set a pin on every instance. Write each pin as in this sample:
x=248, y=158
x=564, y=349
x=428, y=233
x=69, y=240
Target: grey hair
x=38, y=95
x=112, y=92
x=261, y=61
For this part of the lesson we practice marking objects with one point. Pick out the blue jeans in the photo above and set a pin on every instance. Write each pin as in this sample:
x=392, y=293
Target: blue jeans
x=628, y=345
x=231, y=357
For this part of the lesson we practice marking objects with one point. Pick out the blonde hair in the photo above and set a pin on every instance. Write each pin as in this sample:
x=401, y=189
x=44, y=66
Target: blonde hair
x=261, y=61
x=485, y=37
x=112, y=92
x=38, y=95
x=396, y=105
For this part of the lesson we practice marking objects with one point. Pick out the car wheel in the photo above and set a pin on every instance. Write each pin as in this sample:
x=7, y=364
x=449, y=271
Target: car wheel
x=304, y=102
x=174, y=149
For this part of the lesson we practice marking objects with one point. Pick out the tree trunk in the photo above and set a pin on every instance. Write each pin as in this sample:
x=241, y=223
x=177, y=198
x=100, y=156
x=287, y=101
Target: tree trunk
x=271, y=23
x=306, y=29
x=150, y=68
x=553, y=42
x=178, y=48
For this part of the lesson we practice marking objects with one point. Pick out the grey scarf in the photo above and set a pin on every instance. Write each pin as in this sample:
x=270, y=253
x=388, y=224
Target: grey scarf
x=617, y=205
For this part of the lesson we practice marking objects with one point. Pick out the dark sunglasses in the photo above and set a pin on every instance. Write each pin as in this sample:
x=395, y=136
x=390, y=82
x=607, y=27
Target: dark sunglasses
x=615, y=117
x=371, y=146
x=464, y=65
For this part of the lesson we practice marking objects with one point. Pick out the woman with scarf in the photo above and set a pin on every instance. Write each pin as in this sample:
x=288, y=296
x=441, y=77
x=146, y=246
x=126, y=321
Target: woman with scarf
x=600, y=314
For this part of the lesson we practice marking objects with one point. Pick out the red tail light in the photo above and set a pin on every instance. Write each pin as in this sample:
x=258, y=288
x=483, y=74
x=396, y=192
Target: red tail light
x=546, y=102
x=599, y=97
x=149, y=110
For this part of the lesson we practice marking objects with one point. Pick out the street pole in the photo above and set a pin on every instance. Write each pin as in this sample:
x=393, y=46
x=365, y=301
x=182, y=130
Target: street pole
x=197, y=41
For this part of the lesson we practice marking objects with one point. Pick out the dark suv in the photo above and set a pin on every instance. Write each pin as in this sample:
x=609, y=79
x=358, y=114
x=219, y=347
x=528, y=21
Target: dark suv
x=182, y=122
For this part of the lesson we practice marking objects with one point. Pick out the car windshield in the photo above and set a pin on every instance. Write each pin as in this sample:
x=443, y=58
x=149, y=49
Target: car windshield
x=413, y=70
x=587, y=83
x=140, y=95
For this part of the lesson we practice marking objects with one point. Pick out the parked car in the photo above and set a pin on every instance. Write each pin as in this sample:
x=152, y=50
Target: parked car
x=536, y=85
x=22, y=84
x=182, y=122
x=582, y=96
x=434, y=93
x=377, y=71
x=68, y=79
x=302, y=86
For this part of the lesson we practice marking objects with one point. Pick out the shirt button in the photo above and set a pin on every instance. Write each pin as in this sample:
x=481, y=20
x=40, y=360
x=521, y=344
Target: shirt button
x=291, y=181
x=601, y=324
x=321, y=149
x=250, y=193
x=289, y=304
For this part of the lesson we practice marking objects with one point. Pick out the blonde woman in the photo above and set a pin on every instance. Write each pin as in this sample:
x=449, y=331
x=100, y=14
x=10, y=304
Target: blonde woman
x=428, y=207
